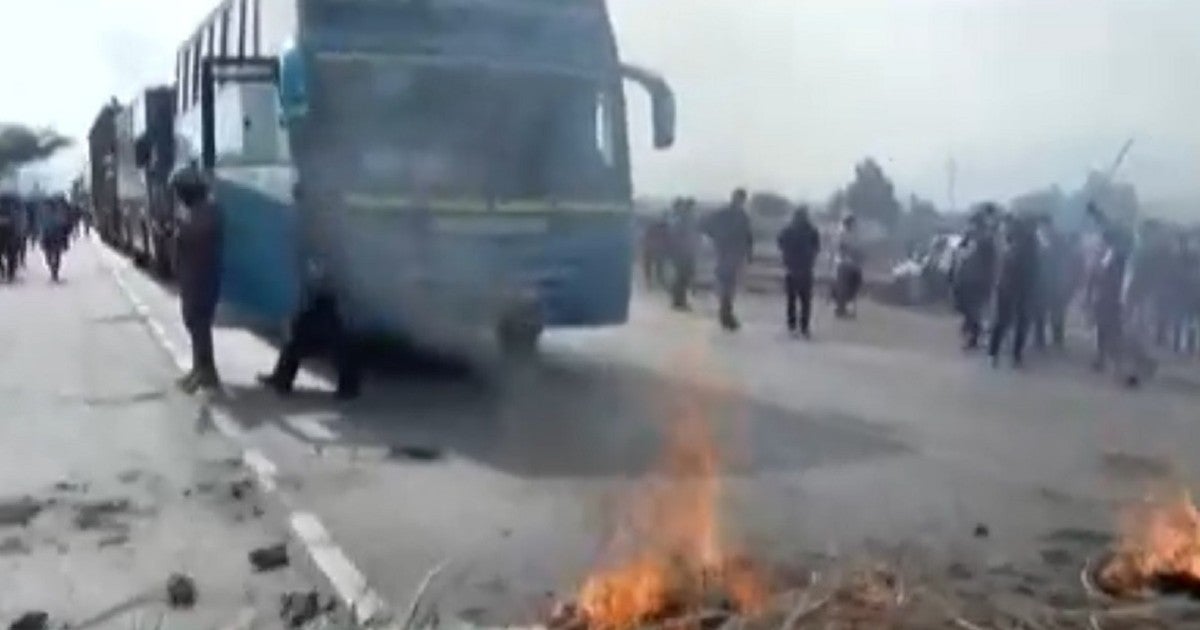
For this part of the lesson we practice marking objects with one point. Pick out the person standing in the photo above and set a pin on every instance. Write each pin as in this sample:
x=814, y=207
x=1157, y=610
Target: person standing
x=199, y=241
x=55, y=227
x=1107, y=288
x=1015, y=288
x=654, y=250
x=848, y=267
x=729, y=229
x=11, y=238
x=799, y=244
x=684, y=241
x=974, y=277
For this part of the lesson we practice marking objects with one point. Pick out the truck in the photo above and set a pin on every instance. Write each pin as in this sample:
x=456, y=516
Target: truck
x=132, y=154
x=452, y=168
x=102, y=151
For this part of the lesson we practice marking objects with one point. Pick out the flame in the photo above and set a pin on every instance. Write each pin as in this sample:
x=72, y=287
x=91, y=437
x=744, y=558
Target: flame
x=1159, y=538
x=676, y=560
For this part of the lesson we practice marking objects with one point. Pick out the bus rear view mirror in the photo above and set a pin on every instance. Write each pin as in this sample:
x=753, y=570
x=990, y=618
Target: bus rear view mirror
x=662, y=103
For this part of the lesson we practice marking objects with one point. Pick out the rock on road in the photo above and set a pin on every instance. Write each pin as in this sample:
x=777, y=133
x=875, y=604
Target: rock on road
x=879, y=430
x=106, y=486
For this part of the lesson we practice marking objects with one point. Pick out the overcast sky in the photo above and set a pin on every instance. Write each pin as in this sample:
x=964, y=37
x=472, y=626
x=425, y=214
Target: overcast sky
x=786, y=94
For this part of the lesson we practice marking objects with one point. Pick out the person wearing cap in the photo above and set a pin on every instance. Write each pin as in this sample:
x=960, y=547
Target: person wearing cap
x=199, y=243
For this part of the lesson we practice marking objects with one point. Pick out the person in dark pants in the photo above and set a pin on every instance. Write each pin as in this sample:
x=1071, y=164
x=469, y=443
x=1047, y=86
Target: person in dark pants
x=1060, y=272
x=974, y=276
x=683, y=243
x=799, y=244
x=1015, y=289
x=729, y=229
x=1108, y=288
x=317, y=329
x=199, y=241
x=654, y=250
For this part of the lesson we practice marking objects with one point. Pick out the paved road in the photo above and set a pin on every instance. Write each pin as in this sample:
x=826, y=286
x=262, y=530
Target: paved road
x=108, y=484
x=880, y=430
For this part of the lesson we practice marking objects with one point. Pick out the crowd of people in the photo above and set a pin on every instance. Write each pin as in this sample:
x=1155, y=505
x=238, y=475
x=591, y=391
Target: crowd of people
x=1016, y=278
x=671, y=245
x=49, y=224
x=1137, y=289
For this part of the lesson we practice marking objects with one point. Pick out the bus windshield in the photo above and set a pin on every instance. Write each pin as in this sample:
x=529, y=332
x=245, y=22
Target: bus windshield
x=453, y=130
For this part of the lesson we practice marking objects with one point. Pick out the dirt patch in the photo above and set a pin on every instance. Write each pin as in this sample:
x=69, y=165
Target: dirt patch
x=103, y=515
x=19, y=512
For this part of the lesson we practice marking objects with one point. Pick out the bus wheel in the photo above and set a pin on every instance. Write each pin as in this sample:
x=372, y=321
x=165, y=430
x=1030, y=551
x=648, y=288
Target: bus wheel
x=518, y=337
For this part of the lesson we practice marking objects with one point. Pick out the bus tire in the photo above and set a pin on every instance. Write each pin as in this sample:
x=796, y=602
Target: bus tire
x=518, y=338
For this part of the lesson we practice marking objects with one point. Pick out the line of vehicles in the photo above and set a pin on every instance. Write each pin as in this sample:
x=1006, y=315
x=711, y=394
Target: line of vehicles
x=454, y=166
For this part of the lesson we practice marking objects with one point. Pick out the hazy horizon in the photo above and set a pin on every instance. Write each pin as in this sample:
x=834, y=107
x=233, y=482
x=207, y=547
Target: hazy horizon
x=786, y=95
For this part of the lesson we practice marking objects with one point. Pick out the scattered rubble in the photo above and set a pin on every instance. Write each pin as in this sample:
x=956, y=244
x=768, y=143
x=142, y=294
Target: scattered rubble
x=269, y=558
x=101, y=514
x=33, y=620
x=181, y=591
x=415, y=453
x=114, y=540
x=19, y=512
x=297, y=609
x=71, y=487
x=241, y=489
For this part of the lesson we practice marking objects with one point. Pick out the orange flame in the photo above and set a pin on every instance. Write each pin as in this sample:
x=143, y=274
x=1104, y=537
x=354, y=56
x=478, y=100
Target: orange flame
x=676, y=560
x=1159, y=538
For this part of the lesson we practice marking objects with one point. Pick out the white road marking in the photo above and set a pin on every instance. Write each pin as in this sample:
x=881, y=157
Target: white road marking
x=369, y=609
x=312, y=429
x=352, y=588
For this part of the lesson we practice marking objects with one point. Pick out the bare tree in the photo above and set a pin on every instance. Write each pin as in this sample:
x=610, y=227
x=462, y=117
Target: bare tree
x=21, y=146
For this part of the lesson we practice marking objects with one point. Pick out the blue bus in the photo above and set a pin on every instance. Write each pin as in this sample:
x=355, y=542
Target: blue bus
x=454, y=166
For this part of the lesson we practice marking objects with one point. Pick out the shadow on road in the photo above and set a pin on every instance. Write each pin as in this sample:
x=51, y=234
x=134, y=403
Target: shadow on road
x=563, y=417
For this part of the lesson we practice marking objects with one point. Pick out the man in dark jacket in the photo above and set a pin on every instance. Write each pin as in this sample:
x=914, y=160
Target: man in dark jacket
x=729, y=229
x=200, y=239
x=1015, y=288
x=799, y=243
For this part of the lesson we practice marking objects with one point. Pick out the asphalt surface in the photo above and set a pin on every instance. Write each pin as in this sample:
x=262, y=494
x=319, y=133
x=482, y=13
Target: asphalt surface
x=878, y=434
x=108, y=483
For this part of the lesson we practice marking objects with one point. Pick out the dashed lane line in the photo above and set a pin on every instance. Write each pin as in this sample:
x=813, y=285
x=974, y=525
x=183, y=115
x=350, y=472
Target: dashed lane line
x=348, y=582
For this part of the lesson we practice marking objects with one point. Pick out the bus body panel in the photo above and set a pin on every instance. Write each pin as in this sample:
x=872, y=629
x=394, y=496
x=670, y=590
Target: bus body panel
x=433, y=265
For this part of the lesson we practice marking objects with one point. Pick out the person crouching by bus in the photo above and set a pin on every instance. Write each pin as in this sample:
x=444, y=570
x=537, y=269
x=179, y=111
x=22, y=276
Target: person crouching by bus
x=200, y=238
x=317, y=329
x=55, y=225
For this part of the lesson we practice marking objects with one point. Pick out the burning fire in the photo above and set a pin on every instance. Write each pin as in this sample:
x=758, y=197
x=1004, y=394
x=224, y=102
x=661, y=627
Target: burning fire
x=1159, y=545
x=676, y=564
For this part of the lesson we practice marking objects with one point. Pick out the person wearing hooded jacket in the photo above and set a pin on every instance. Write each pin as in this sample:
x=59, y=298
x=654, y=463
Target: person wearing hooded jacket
x=799, y=244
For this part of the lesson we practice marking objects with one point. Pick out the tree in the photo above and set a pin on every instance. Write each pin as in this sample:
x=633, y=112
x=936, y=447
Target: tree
x=872, y=196
x=21, y=146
